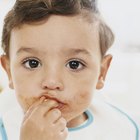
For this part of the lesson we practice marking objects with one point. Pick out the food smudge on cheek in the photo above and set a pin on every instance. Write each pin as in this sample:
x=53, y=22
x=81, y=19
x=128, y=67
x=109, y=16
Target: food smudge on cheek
x=29, y=102
x=26, y=103
x=83, y=98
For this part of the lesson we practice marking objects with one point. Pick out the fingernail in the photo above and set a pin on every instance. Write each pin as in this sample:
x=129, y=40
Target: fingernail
x=57, y=112
x=42, y=98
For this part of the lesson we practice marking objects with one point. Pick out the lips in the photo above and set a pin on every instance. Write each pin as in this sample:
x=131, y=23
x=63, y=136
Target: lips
x=60, y=103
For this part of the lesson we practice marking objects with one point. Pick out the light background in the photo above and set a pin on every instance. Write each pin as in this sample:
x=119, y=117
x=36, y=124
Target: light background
x=123, y=81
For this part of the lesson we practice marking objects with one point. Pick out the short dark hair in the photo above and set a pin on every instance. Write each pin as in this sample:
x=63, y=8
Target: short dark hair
x=30, y=11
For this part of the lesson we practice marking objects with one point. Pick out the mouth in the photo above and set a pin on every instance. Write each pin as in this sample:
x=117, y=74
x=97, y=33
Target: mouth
x=60, y=103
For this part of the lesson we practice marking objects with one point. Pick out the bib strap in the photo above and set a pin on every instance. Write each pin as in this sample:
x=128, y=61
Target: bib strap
x=3, y=131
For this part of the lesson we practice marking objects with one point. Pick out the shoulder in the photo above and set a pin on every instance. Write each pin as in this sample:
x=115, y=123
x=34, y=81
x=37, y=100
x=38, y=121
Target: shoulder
x=11, y=115
x=3, y=135
x=12, y=121
x=112, y=120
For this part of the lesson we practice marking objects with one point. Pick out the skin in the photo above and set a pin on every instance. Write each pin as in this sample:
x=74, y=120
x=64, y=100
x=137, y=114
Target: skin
x=55, y=68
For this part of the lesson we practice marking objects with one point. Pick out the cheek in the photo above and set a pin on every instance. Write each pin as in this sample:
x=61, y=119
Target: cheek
x=83, y=92
x=25, y=101
x=83, y=98
x=26, y=91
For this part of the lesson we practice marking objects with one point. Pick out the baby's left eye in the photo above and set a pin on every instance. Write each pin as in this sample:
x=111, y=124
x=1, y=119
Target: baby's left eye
x=75, y=65
x=31, y=63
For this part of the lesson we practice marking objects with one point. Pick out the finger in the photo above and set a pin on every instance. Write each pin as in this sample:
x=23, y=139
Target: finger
x=32, y=107
x=53, y=115
x=61, y=124
x=43, y=108
x=64, y=133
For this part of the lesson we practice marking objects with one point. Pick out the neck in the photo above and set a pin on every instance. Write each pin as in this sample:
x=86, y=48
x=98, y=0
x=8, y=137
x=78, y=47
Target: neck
x=77, y=121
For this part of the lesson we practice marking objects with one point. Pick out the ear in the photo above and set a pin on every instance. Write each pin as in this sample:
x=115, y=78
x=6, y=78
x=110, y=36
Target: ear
x=5, y=62
x=104, y=68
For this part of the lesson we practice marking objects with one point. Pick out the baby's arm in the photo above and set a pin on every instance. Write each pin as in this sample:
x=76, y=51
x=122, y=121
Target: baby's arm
x=43, y=121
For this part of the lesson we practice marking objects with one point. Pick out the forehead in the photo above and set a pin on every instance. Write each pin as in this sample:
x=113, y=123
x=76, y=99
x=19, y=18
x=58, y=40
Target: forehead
x=57, y=31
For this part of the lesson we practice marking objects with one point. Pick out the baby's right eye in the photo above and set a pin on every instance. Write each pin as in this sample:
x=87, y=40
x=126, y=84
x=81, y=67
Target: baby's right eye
x=31, y=63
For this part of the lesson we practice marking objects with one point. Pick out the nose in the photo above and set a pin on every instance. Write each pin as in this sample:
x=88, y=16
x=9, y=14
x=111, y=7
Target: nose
x=52, y=80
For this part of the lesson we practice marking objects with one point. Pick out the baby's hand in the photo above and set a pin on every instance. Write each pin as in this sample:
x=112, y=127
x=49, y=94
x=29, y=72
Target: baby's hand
x=43, y=121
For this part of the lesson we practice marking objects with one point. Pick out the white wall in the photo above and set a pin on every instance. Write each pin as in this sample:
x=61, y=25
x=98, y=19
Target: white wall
x=123, y=16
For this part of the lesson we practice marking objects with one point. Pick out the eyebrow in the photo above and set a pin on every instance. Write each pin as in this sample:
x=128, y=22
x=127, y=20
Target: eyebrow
x=75, y=51
x=26, y=49
x=71, y=51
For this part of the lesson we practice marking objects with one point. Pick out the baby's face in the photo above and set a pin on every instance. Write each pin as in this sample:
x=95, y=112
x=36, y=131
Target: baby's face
x=59, y=59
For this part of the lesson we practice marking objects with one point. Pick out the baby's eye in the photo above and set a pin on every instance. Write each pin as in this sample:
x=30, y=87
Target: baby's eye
x=31, y=63
x=75, y=65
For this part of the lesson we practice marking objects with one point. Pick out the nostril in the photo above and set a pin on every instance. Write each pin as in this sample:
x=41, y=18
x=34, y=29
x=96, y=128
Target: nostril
x=52, y=85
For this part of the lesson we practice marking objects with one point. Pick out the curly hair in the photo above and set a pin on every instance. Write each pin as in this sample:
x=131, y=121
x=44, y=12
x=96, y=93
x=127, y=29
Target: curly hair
x=31, y=11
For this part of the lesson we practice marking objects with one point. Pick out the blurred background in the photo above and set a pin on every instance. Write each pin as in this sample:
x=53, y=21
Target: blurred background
x=122, y=84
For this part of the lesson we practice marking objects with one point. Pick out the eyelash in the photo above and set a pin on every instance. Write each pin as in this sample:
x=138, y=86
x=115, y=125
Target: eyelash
x=26, y=62
x=79, y=62
x=75, y=62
